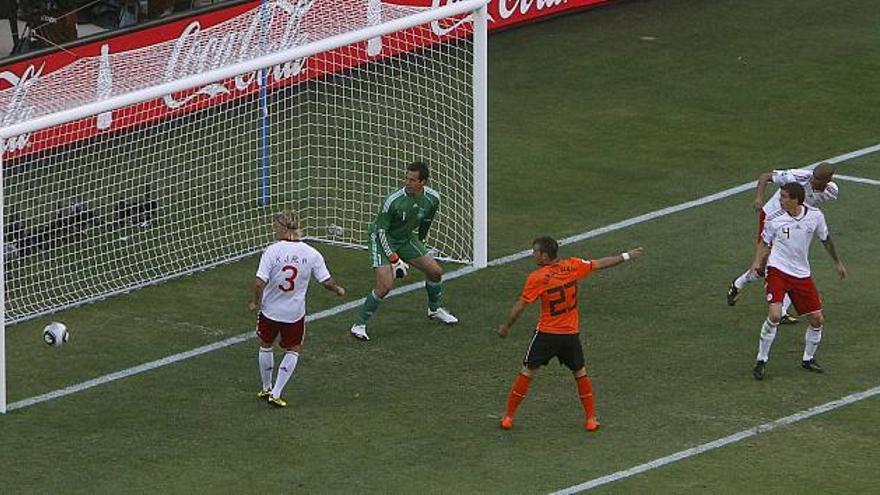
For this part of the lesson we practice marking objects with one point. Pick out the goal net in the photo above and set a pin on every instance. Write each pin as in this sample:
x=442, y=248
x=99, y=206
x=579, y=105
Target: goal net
x=132, y=168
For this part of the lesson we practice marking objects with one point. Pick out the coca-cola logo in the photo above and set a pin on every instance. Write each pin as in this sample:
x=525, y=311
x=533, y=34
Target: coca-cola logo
x=508, y=8
x=194, y=52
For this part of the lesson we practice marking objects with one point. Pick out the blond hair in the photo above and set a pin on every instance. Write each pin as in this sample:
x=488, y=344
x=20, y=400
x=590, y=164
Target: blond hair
x=288, y=219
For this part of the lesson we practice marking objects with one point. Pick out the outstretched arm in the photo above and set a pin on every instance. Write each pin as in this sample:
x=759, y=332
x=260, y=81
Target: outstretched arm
x=518, y=307
x=610, y=261
x=832, y=250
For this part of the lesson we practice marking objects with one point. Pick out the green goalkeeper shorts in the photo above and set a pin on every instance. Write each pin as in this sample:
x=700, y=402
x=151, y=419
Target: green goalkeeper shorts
x=407, y=249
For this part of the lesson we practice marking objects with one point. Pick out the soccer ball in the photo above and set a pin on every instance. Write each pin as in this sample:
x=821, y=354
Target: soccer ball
x=334, y=230
x=55, y=334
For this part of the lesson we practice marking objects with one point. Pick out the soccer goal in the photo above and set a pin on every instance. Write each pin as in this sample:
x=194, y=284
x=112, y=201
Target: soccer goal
x=132, y=168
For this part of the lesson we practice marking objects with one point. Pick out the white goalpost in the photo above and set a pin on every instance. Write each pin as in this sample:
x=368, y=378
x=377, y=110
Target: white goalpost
x=129, y=169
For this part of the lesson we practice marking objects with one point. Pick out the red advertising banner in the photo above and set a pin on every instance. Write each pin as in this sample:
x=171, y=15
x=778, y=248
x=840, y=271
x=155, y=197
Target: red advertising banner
x=24, y=74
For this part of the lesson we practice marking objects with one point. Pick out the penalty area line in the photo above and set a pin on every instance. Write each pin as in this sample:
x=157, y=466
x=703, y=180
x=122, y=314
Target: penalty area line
x=721, y=442
x=411, y=287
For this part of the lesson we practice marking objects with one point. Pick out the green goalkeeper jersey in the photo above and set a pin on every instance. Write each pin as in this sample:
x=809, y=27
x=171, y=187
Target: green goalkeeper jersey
x=403, y=215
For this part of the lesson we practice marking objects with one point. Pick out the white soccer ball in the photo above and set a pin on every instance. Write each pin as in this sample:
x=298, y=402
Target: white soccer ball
x=334, y=230
x=56, y=334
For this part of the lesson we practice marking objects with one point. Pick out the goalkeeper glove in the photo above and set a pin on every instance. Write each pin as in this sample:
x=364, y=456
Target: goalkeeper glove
x=398, y=265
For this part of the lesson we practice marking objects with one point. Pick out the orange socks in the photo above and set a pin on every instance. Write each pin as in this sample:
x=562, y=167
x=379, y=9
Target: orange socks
x=585, y=392
x=517, y=393
x=521, y=387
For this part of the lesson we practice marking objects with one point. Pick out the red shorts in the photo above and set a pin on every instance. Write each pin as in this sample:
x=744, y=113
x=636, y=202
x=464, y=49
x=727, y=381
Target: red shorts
x=292, y=334
x=802, y=291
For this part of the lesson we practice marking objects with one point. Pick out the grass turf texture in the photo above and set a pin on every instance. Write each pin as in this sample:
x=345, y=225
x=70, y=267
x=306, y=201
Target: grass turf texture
x=590, y=124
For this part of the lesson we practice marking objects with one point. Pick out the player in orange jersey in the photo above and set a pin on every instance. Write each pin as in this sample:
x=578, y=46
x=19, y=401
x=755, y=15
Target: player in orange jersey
x=555, y=282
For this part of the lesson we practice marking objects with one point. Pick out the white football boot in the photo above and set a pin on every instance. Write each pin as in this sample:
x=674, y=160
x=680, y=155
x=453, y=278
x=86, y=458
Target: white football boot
x=443, y=316
x=359, y=332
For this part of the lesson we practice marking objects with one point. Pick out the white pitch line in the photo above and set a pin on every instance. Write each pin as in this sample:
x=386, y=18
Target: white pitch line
x=411, y=287
x=721, y=442
x=862, y=180
x=852, y=154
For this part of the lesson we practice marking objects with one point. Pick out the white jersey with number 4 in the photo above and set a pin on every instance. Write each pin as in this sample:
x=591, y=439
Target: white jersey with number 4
x=790, y=238
x=286, y=267
x=802, y=176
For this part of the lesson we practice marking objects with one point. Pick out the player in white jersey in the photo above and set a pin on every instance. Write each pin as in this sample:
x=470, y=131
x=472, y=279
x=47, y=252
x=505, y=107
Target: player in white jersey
x=818, y=187
x=785, y=249
x=280, y=289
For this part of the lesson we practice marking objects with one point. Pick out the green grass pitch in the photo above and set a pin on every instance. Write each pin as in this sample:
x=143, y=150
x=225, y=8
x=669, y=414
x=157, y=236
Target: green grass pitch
x=594, y=118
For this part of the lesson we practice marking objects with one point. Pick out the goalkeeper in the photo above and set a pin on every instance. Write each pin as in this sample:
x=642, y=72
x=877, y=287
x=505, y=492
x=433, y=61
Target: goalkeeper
x=394, y=245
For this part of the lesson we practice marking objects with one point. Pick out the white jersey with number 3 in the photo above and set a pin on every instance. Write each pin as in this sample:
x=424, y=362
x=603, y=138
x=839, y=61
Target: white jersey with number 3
x=286, y=267
x=802, y=176
x=790, y=238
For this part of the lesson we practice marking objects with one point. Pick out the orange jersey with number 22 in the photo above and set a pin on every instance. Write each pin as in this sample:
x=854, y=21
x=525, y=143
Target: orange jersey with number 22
x=557, y=286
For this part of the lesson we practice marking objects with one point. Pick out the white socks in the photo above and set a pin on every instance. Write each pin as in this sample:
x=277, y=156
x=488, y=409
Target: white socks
x=746, y=278
x=811, y=342
x=768, y=333
x=267, y=365
x=285, y=371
